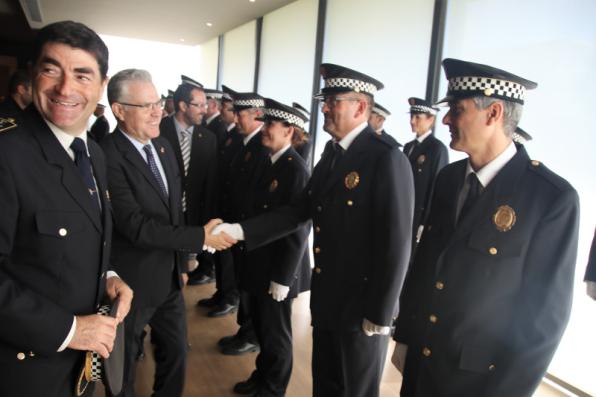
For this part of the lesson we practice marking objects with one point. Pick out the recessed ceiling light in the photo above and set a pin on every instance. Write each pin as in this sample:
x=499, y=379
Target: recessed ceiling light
x=252, y=1
x=182, y=40
x=209, y=24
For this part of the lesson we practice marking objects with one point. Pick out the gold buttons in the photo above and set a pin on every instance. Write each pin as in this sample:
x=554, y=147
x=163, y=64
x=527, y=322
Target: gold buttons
x=439, y=285
x=62, y=232
x=317, y=229
x=265, y=206
x=492, y=251
x=426, y=352
x=319, y=208
x=350, y=203
x=535, y=163
x=317, y=270
x=31, y=354
x=20, y=356
x=317, y=250
x=492, y=367
x=432, y=318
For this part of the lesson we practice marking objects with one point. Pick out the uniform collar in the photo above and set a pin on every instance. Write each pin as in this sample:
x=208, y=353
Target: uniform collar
x=487, y=173
x=422, y=137
x=279, y=153
x=210, y=119
x=252, y=134
x=66, y=139
x=347, y=140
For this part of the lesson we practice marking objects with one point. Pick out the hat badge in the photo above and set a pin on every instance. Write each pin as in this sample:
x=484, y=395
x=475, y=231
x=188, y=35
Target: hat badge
x=352, y=180
x=504, y=218
x=489, y=91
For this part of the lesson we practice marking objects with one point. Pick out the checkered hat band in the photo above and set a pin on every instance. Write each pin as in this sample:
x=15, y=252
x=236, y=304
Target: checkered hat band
x=253, y=103
x=487, y=85
x=422, y=109
x=354, y=85
x=289, y=117
x=380, y=112
x=95, y=370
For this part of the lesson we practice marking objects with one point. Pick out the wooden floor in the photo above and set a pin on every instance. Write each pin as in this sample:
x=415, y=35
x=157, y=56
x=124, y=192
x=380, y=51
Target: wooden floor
x=210, y=373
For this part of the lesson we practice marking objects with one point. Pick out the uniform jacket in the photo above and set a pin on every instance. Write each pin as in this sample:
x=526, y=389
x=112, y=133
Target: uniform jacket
x=54, y=252
x=218, y=127
x=200, y=181
x=148, y=225
x=427, y=159
x=99, y=129
x=489, y=298
x=10, y=109
x=246, y=167
x=591, y=268
x=226, y=153
x=285, y=261
x=362, y=220
x=384, y=135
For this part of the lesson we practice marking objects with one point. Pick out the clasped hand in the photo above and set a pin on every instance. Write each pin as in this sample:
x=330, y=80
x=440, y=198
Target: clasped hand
x=216, y=239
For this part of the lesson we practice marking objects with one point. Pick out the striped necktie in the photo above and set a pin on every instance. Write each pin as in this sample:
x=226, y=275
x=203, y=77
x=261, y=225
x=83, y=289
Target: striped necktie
x=185, y=149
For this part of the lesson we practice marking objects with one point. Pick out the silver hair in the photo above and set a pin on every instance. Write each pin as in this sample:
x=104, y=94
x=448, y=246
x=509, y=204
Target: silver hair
x=512, y=111
x=118, y=85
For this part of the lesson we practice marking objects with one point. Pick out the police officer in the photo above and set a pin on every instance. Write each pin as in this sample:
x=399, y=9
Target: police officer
x=276, y=273
x=489, y=293
x=361, y=200
x=427, y=156
x=377, y=120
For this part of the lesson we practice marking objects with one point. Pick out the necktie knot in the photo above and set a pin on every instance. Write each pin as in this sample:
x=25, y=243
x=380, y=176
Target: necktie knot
x=474, y=190
x=78, y=146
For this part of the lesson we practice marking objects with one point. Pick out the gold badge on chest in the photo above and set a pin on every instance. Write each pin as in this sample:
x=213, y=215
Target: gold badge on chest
x=421, y=159
x=352, y=180
x=504, y=218
x=247, y=156
x=273, y=186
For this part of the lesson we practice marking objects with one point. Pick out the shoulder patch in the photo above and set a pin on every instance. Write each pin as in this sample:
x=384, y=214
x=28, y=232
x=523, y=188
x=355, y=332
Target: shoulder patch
x=7, y=124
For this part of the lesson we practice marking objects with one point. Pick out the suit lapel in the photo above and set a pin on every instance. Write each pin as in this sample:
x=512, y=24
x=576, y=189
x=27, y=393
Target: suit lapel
x=171, y=135
x=133, y=156
x=171, y=177
x=71, y=179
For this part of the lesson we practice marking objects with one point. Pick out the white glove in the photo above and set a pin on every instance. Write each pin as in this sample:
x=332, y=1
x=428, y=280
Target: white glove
x=371, y=329
x=233, y=230
x=591, y=289
x=399, y=357
x=209, y=249
x=277, y=291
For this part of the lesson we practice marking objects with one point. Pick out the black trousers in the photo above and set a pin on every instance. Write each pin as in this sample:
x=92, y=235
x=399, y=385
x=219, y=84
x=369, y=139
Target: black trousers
x=347, y=363
x=168, y=333
x=225, y=277
x=272, y=323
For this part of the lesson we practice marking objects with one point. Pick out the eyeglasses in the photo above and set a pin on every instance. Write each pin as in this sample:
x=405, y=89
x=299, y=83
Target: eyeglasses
x=198, y=105
x=146, y=106
x=331, y=101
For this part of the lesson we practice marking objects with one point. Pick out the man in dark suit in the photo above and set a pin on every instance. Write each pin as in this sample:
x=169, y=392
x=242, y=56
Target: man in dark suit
x=376, y=121
x=19, y=96
x=100, y=127
x=195, y=148
x=489, y=293
x=151, y=243
x=55, y=222
x=361, y=200
x=305, y=148
x=427, y=156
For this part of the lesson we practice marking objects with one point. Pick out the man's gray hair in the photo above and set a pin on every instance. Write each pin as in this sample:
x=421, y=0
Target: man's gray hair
x=512, y=112
x=118, y=85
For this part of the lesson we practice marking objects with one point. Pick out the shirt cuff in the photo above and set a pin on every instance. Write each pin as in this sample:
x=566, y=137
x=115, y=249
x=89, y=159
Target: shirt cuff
x=70, y=335
x=111, y=273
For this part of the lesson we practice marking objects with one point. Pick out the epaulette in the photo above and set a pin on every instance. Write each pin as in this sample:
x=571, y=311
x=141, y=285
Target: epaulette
x=539, y=168
x=7, y=124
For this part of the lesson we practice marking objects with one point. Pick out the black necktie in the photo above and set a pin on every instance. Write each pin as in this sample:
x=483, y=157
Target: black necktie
x=474, y=190
x=154, y=169
x=83, y=164
x=413, y=147
x=336, y=155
